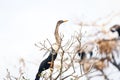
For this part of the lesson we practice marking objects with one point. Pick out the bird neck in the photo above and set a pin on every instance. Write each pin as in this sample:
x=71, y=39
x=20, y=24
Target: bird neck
x=57, y=36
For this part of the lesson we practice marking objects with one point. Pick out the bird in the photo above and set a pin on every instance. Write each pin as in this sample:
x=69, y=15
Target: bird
x=49, y=61
x=115, y=28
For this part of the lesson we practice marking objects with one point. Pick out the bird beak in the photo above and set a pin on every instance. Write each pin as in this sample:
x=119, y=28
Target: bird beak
x=65, y=20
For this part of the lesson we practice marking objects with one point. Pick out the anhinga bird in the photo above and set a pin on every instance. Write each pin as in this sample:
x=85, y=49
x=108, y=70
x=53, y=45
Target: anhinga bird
x=116, y=28
x=49, y=61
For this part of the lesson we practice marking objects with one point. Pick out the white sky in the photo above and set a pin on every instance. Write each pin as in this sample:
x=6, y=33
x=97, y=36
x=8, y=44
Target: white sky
x=25, y=22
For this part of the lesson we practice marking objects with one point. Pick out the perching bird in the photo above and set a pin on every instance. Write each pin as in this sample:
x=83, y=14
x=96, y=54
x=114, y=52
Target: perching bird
x=49, y=61
x=116, y=28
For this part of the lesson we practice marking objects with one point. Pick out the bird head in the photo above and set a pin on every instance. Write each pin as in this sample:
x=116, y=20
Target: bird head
x=61, y=21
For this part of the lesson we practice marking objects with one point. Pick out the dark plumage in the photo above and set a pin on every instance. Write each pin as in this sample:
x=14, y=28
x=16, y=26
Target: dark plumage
x=91, y=54
x=82, y=55
x=46, y=63
x=116, y=28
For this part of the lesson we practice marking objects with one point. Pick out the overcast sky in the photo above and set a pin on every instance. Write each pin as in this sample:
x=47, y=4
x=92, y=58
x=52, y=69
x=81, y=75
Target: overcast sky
x=25, y=22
